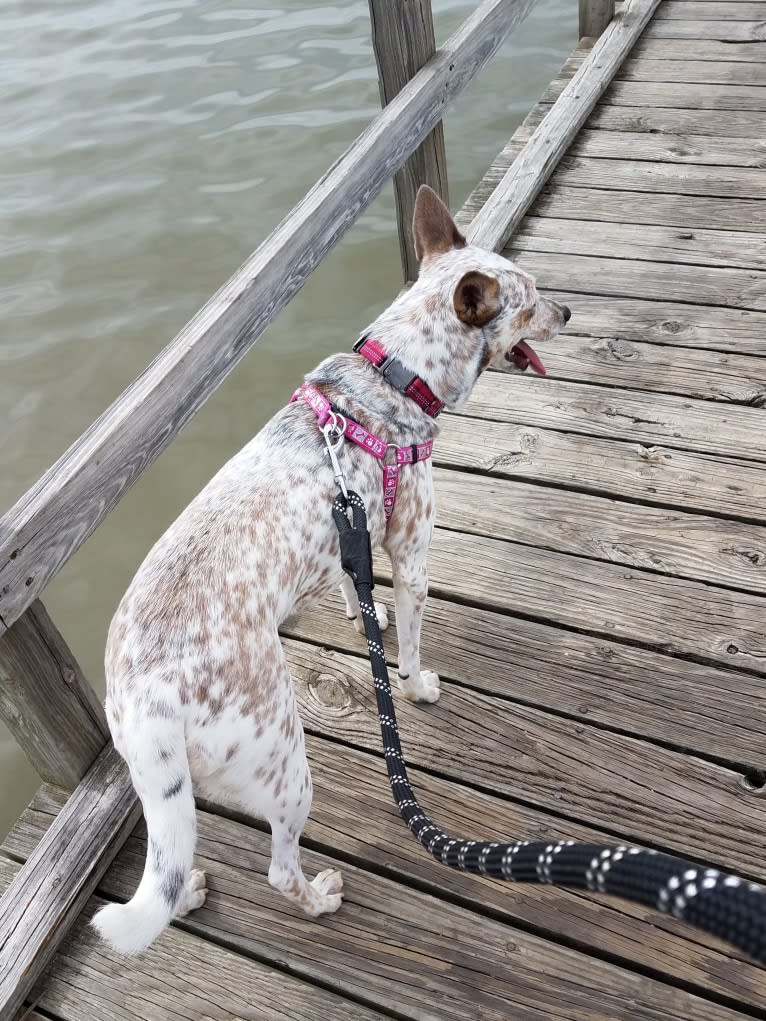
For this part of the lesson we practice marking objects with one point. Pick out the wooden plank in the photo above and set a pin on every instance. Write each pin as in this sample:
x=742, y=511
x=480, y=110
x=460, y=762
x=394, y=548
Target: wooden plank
x=649, y=418
x=675, y=543
x=505, y=208
x=50, y=890
x=676, y=245
x=593, y=680
x=621, y=175
x=726, y=31
x=614, y=361
x=699, y=49
x=403, y=41
x=711, y=72
x=698, y=212
x=680, y=617
x=652, y=474
x=684, y=95
x=61, y=510
x=703, y=285
x=86, y=981
x=594, y=16
x=607, y=924
x=437, y=961
x=708, y=10
x=663, y=322
x=715, y=124
x=703, y=150
x=46, y=702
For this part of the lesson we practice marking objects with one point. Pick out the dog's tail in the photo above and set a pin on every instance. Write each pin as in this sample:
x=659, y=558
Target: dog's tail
x=155, y=751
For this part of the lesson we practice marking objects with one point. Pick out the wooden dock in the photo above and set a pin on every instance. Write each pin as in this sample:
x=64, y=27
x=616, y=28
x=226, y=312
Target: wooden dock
x=597, y=615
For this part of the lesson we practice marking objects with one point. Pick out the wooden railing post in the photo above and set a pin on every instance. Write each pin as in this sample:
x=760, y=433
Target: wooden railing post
x=403, y=40
x=46, y=701
x=595, y=15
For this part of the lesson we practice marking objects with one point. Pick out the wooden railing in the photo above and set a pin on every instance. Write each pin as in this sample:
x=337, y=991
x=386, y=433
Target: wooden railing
x=44, y=697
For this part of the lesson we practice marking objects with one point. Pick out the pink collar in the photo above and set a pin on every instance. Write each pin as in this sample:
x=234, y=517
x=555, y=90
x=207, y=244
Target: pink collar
x=399, y=376
x=391, y=455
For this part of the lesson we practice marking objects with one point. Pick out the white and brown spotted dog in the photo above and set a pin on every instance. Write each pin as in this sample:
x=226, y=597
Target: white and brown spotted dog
x=199, y=691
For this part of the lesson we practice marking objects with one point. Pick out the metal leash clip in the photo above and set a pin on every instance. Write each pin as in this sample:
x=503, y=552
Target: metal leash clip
x=334, y=432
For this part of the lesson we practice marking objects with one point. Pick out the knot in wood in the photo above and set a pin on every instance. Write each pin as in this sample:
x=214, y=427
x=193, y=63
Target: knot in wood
x=621, y=350
x=332, y=692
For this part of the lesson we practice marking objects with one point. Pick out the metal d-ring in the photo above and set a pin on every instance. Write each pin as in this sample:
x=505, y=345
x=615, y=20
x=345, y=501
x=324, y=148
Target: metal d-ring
x=334, y=432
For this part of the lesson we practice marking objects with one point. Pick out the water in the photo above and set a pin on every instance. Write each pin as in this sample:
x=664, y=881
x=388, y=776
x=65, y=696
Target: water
x=146, y=148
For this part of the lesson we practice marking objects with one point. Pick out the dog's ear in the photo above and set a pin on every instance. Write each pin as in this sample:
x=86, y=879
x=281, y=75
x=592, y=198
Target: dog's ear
x=476, y=299
x=433, y=228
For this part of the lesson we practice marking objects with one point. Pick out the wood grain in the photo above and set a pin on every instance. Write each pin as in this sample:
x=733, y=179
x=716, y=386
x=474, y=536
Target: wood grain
x=87, y=982
x=51, y=889
x=403, y=41
x=55, y=517
x=647, y=242
x=703, y=150
x=711, y=72
x=736, y=182
x=708, y=10
x=46, y=702
x=699, y=49
x=648, y=418
x=726, y=30
x=654, y=475
x=607, y=924
x=705, y=710
x=675, y=543
x=685, y=96
x=594, y=16
x=401, y=950
x=506, y=206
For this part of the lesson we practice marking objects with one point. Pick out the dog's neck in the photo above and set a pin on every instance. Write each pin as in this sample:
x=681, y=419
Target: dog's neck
x=421, y=330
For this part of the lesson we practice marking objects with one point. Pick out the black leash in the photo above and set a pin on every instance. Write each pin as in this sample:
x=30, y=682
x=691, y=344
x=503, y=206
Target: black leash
x=723, y=905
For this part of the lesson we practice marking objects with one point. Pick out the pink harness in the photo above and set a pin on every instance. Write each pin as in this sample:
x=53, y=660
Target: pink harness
x=390, y=456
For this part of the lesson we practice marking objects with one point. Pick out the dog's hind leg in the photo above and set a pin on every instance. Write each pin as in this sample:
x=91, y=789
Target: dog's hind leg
x=353, y=609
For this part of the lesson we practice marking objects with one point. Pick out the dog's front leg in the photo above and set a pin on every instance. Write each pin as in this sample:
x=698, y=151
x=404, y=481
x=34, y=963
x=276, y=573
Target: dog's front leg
x=410, y=591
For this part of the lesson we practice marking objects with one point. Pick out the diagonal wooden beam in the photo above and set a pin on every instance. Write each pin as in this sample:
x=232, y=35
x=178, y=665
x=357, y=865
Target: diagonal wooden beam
x=51, y=888
x=505, y=208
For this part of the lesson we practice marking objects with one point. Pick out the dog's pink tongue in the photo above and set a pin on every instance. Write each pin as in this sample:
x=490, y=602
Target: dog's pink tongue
x=523, y=352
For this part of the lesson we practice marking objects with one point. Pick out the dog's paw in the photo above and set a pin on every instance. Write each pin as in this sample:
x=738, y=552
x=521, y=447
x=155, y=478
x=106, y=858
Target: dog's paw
x=194, y=893
x=425, y=688
x=329, y=886
x=380, y=612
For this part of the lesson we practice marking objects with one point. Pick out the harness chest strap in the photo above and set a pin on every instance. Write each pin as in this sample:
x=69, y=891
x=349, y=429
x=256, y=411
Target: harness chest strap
x=368, y=441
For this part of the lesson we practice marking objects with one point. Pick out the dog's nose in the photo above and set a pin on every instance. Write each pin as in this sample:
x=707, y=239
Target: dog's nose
x=566, y=312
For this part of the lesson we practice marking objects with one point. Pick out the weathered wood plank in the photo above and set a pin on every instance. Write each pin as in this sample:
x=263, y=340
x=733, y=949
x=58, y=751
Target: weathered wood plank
x=403, y=40
x=703, y=709
x=655, y=243
x=55, y=517
x=437, y=962
x=46, y=702
x=651, y=474
x=734, y=182
x=704, y=150
x=703, y=374
x=689, y=212
x=727, y=31
x=711, y=72
x=60, y=874
x=594, y=16
x=685, y=95
x=677, y=616
x=713, y=123
x=87, y=981
x=699, y=49
x=708, y=10
x=608, y=924
x=505, y=208
x=648, y=418
x=702, y=285
x=675, y=543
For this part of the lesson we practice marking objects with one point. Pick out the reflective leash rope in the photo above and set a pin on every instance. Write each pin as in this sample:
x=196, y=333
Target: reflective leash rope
x=720, y=904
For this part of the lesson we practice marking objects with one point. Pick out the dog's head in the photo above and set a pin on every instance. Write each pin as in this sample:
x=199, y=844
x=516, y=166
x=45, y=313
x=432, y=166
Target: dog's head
x=497, y=303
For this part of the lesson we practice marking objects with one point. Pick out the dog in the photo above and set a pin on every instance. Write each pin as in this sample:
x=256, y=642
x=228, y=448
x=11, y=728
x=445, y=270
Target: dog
x=199, y=695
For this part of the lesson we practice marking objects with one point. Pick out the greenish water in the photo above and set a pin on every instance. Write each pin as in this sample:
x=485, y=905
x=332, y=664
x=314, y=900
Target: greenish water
x=146, y=148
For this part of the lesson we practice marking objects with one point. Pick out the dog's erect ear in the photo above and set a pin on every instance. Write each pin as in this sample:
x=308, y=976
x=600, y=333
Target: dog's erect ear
x=433, y=228
x=476, y=299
